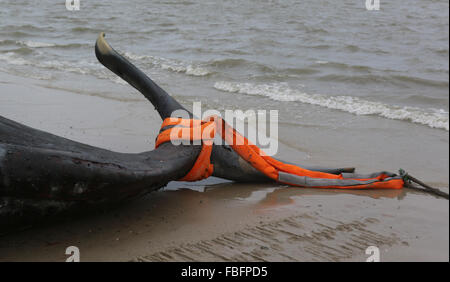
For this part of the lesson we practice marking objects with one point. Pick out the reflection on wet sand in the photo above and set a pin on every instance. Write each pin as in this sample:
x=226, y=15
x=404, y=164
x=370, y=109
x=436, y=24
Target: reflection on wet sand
x=273, y=195
x=226, y=221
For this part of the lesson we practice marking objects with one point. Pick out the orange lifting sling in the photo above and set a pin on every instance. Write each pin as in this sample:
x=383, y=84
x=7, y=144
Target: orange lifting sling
x=205, y=130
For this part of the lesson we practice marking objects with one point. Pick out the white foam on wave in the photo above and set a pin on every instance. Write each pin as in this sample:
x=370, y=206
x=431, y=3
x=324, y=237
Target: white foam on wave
x=10, y=58
x=282, y=92
x=94, y=68
x=85, y=68
x=171, y=64
x=33, y=44
x=80, y=67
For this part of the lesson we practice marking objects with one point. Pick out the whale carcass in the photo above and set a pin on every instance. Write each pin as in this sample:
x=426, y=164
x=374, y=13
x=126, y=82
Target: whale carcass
x=43, y=175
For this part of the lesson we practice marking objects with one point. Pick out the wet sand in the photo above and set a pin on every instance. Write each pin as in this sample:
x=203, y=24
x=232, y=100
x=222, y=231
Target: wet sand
x=213, y=220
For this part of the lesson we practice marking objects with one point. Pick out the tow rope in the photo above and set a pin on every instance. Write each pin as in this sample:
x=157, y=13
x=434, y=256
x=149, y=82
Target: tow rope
x=408, y=179
x=205, y=130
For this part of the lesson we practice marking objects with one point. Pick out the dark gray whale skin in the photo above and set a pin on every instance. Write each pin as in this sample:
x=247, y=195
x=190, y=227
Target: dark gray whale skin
x=43, y=175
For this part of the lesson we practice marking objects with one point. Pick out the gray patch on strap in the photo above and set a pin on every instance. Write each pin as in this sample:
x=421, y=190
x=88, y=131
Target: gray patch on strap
x=371, y=175
x=320, y=182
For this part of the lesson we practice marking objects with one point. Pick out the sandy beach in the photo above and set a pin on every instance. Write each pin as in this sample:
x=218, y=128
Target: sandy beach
x=212, y=220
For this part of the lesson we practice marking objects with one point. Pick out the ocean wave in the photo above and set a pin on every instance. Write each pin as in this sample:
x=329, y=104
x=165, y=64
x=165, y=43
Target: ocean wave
x=281, y=92
x=189, y=69
x=228, y=63
x=344, y=66
x=28, y=43
x=80, y=67
x=7, y=42
x=12, y=59
x=21, y=51
x=85, y=29
x=87, y=67
x=22, y=28
x=171, y=64
x=34, y=44
x=400, y=80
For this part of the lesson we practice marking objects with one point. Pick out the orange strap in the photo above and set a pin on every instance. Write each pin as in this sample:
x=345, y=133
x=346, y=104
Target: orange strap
x=205, y=130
